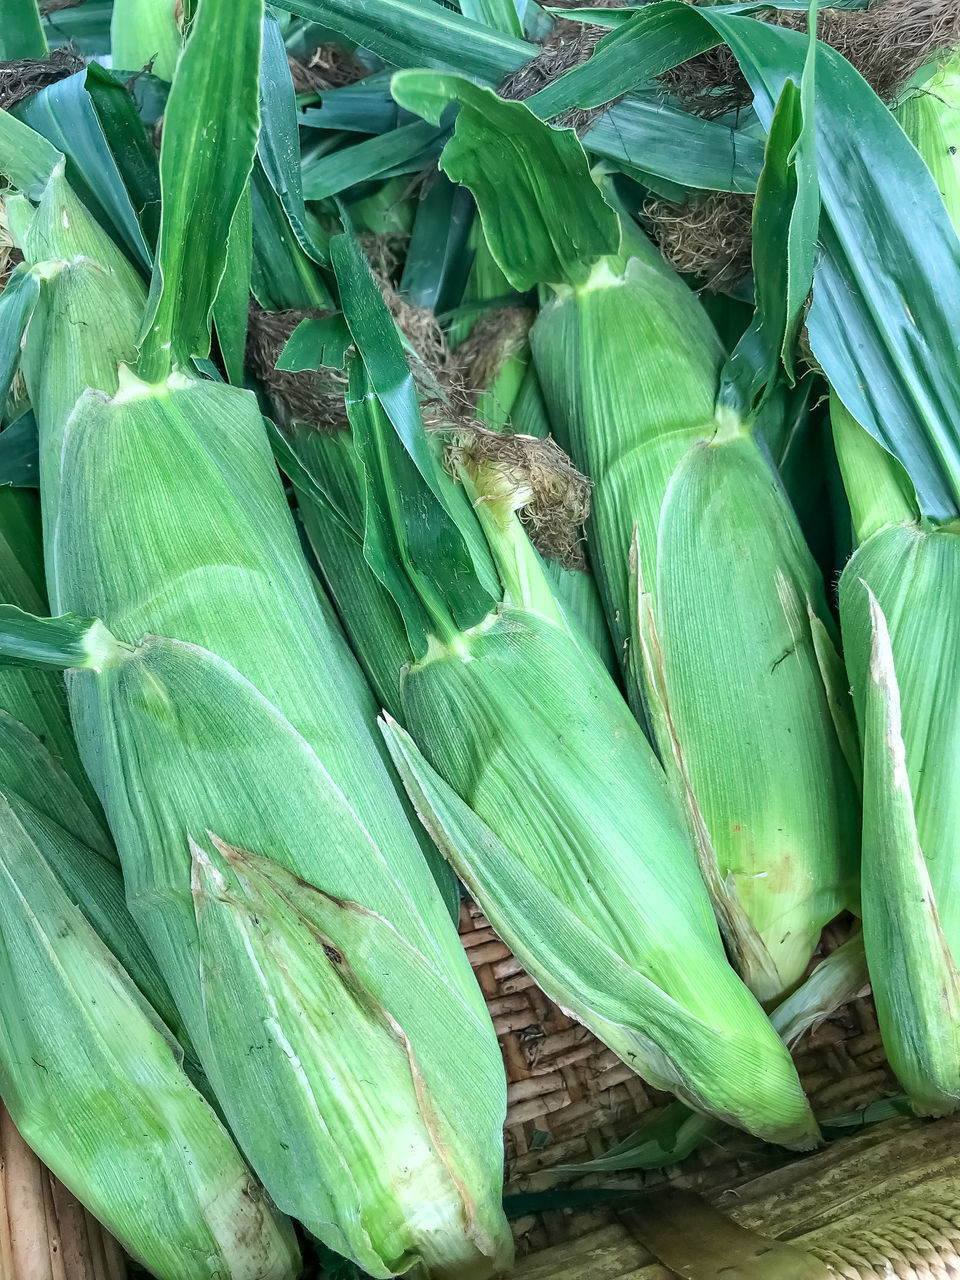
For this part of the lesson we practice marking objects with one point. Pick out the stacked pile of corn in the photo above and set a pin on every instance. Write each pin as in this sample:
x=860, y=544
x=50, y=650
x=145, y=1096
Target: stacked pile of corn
x=554, y=531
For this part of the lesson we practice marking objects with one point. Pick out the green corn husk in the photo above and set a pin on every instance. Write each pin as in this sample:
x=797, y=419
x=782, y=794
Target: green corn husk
x=902, y=645
x=94, y=1082
x=40, y=769
x=499, y=373
x=716, y=604
x=89, y=1072
x=524, y=740
x=266, y=855
x=901, y=639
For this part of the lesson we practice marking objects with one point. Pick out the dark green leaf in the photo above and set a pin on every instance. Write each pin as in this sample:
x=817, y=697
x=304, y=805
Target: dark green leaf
x=886, y=306
x=365, y=107
x=330, y=174
x=501, y=147
x=133, y=152
x=283, y=276
x=21, y=35
x=17, y=303
x=310, y=487
x=438, y=258
x=279, y=145
x=413, y=542
x=209, y=141
x=86, y=28
x=232, y=307
x=67, y=116
x=317, y=343
x=420, y=33
x=20, y=453
x=785, y=225
x=646, y=135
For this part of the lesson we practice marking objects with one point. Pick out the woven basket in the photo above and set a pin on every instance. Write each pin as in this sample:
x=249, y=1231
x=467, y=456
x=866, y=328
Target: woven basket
x=883, y=1203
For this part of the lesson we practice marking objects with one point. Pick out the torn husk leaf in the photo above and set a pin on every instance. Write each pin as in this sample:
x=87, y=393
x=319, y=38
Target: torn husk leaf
x=220, y=730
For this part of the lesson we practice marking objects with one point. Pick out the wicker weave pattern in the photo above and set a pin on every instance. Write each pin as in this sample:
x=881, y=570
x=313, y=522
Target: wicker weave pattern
x=570, y=1098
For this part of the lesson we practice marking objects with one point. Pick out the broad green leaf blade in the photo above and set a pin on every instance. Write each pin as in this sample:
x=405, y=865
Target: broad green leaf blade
x=500, y=146
x=278, y=148
x=317, y=343
x=209, y=141
x=21, y=34
x=655, y=39
x=785, y=225
x=327, y=175
x=86, y=27
x=133, y=151
x=439, y=256
x=92, y=120
x=61, y=643
x=365, y=107
x=410, y=540
x=886, y=340
x=232, y=307
x=500, y=14
x=645, y=135
x=283, y=276
x=144, y=33
x=419, y=33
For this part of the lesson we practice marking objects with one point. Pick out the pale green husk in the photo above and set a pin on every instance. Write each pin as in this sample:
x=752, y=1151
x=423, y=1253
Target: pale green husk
x=715, y=604
x=250, y=802
x=89, y=1072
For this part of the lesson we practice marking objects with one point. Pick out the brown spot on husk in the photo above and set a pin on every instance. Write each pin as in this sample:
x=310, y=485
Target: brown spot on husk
x=54, y=6
x=556, y=496
x=329, y=67
x=23, y=77
x=887, y=43
x=709, y=239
